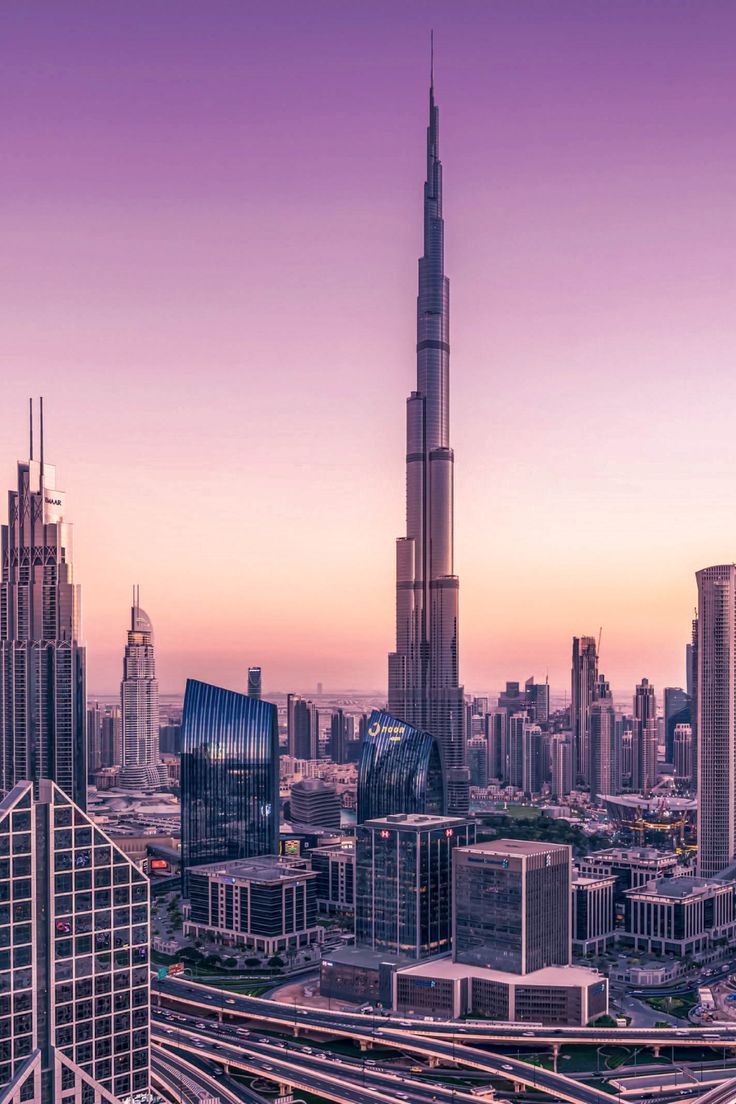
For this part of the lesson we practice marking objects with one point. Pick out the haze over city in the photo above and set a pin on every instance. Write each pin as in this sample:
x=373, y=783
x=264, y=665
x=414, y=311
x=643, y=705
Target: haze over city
x=209, y=270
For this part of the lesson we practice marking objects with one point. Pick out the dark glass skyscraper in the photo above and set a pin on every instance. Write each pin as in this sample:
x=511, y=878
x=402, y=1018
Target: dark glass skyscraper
x=423, y=676
x=400, y=770
x=42, y=664
x=229, y=776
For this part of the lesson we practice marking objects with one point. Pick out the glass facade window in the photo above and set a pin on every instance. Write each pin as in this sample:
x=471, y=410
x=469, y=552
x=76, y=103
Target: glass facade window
x=229, y=776
x=400, y=770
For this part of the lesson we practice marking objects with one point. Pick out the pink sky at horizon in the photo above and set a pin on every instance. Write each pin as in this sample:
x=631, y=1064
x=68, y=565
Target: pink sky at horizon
x=211, y=225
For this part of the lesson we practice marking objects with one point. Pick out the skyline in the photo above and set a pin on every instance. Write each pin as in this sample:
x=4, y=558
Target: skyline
x=148, y=303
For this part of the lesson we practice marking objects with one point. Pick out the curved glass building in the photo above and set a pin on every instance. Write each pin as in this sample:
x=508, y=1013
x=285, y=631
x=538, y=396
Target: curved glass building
x=400, y=770
x=229, y=776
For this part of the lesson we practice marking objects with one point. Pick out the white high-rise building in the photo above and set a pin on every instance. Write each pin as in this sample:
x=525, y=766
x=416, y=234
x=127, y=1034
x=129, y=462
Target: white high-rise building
x=141, y=764
x=716, y=723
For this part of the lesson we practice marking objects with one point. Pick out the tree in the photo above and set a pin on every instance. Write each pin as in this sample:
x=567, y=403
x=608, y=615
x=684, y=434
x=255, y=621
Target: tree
x=252, y=962
x=276, y=961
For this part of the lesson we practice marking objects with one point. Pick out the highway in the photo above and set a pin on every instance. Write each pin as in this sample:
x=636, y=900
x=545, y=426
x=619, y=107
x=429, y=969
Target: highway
x=224, y=1045
x=194, y=995
x=184, y=1083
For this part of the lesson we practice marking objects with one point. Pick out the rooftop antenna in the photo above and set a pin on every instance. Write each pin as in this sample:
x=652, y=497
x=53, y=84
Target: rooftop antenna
x=431, y=59
x=41, y=433
x=30, y=423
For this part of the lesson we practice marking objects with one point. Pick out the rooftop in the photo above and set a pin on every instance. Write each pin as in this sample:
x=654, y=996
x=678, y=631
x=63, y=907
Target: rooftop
x=416, y=820
x=549, y=976
x=632, y=854
x=264, y=868
x=677, y=888
x=516, y=847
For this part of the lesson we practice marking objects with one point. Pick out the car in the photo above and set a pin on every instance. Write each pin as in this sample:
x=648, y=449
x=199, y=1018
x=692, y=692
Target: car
x=509, y=1068
x=242, y=1031
x=201, y=1024
x=268, y=1067
x=370, y=1062
x=528, y=1034
x=230, y=1000
x=199, y=1043
x=402, y=1095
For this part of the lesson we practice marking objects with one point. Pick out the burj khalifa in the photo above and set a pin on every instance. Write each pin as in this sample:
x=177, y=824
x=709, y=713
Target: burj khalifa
x=423, y=675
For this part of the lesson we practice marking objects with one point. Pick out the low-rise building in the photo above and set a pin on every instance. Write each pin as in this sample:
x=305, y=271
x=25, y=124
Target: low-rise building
x=592, y=914
x=680, y=916
x=266, y=903
x=557, y=995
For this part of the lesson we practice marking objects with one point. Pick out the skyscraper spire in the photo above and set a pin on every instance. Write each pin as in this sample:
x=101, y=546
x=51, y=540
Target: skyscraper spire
x=424, y=685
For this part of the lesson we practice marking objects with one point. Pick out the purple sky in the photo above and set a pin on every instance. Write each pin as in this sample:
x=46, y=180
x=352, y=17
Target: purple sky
x=210, y=218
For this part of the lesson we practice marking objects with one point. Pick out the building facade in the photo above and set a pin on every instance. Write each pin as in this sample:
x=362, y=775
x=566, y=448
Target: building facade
x=676, y=711
x=229, y=776
x=644, y=765
x=335, y=870
x=268, y=904
x=400, y=770
x=423, y=672
x=605, y=757
x=42, y=662
x=512, y=905
x=680, y=916
x=593, y=917
x=716, y=718
x=404, y=882
x=584, y=681
x=255, y=687
x=141, y=765
x=682, y=745
x=74, y=968
x=315, y=802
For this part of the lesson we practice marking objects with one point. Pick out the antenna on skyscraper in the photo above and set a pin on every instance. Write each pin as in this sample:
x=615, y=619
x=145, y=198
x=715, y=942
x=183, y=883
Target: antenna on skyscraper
x=431, y=59
x=40, y=403
x=30, y=422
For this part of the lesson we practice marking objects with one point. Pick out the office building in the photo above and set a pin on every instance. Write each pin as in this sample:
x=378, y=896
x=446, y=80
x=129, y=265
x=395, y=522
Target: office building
x=584, y=682
x=526, y=767
x=512, y=936
x=630, y=867
x=644, y=746
x=536, y=700
x=169, y=739
x=229, y=776
x=342, y=736
x=715, y=728
x=680, y=916
x=74, y=971
x=683, y=752
x=593, y=917
x=477, y=757
x=423, y=672
x=512, y=905
x=400, y=770
x=315, y=802
x=255, y=688
x=561, y=765
x=512, y=699
x=496, y=728
x=676, y=711
x=268, y=904
x=95, y=713
x=302, y=725
x=404, y=882
x=335, y=870
x=141, y=765
x=605, y=759
x=43, y=718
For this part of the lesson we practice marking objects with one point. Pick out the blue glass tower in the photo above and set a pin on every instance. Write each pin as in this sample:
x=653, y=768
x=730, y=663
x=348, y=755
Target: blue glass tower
x=400, y=770
x=229, y=776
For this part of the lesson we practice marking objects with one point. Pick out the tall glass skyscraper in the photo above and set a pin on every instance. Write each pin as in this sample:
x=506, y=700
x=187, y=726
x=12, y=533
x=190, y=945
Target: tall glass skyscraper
x=423, y=677
x=42, y=663
x=74, y=956
x=139, y=705
x=229, y=776
x=400, y=770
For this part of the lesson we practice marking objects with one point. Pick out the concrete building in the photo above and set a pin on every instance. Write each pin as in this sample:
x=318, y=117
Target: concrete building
x=335, y=870
x=404, y=882
x=680, y=916
x=630, y=867
x=644, y=747
x=715, y=728
x=268, y=904
x=593, y=922
x=605, y=759
x=682, y=744
x=512, y=905
x=141, y=762
x=584, y=680
x=315, y=802
x=569, y=996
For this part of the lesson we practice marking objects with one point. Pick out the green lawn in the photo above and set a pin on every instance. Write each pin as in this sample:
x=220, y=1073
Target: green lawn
x=673, y=1006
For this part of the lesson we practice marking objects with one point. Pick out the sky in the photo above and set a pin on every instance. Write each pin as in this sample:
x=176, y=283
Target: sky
x=211, y=218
